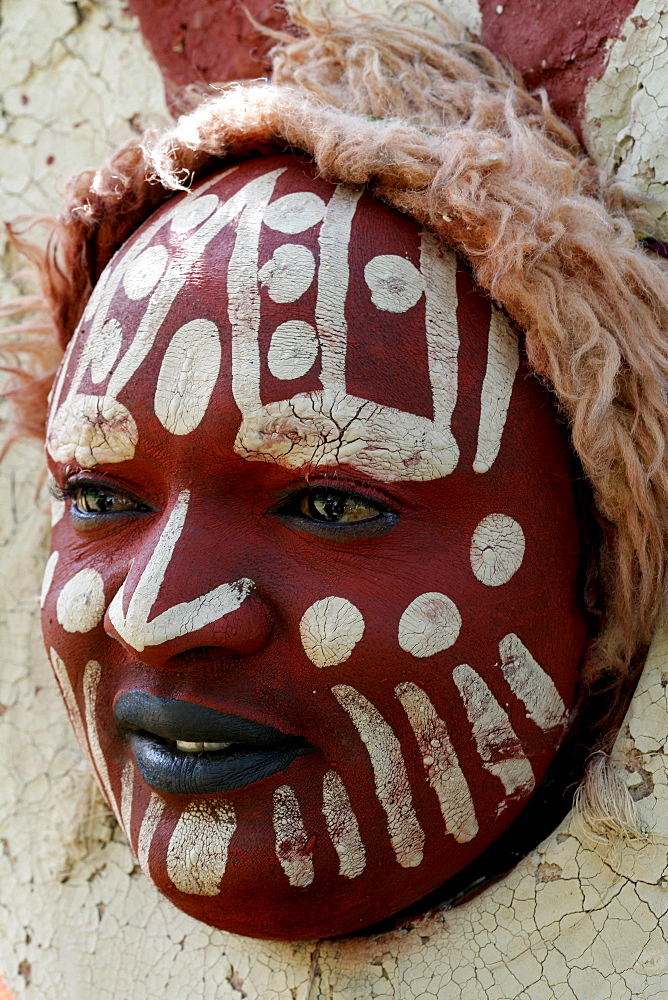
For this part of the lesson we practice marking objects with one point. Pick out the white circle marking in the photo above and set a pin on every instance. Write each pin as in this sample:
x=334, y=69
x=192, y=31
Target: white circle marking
x=396, y=284
x=80, y=604
x=430, y=624
x=330, y=629
x=294, y=213
x=193, y=211
x=293, y=349
x=289, y=273
x=497, y=549
x=144, y=273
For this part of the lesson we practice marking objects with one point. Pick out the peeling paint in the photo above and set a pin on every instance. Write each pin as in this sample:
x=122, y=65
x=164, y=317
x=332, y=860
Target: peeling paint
x=625, y=125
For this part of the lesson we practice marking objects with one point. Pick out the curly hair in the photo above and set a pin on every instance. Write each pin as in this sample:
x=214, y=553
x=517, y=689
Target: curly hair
x=439, y=129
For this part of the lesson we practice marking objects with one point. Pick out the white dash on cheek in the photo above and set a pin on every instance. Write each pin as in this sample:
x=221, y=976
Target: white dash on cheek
x=197, y=853
x=503, y=358
x=47, y=580
x=342, y=826
x=531, y=684
x=291, y=838
x=149, y=825
x=391, y=779
x=127, y=796
x=440, y=762
x=92, y=675
x=496, y=740
x=60, y=670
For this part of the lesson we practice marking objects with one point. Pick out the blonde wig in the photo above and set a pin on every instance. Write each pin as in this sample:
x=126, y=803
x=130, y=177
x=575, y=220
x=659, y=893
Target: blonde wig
x=439, y=129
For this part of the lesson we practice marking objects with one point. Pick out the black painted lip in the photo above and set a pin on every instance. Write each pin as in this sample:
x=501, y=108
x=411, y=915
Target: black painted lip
x=155, y=724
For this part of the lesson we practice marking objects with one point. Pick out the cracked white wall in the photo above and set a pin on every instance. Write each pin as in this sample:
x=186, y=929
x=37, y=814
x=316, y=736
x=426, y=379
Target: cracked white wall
x=625, y=126
x=571, y=922
x=77, y=80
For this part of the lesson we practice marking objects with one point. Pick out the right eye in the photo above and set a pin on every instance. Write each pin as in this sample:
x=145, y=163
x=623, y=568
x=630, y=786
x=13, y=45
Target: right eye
x=94, y=499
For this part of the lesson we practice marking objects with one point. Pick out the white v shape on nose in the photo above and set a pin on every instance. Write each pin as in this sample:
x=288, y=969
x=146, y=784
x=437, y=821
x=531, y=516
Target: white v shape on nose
x=181, y=619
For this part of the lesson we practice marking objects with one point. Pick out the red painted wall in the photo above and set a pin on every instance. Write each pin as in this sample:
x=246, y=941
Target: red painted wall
x=557, y=44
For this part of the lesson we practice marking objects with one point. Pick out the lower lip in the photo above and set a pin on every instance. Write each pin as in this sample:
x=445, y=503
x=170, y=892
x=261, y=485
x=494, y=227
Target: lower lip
x=174, y=772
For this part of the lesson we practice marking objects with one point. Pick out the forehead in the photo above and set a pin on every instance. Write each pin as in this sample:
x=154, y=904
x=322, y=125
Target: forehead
x=334, y=325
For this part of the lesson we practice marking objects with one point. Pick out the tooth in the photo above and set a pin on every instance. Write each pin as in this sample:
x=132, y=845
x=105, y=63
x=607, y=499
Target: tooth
x=188, y=747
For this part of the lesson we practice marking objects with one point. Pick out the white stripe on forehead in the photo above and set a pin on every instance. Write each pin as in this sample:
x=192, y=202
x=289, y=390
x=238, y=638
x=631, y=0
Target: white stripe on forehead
x=330, y=426
x=503, y=358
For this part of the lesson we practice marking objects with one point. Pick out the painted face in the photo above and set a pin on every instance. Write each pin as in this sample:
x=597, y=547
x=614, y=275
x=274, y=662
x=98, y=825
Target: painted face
x=312, y=599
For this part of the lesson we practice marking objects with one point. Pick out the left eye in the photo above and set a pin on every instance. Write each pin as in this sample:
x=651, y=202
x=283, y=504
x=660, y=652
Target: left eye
x=335, y=515
x=333, y=507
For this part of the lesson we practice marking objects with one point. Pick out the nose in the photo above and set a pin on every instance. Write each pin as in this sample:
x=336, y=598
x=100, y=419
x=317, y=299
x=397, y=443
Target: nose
x=146, y=617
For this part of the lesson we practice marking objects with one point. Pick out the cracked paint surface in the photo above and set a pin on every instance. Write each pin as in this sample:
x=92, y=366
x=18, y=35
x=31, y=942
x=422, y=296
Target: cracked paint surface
x=76, y=81
x=625, y=121
x=571, y=921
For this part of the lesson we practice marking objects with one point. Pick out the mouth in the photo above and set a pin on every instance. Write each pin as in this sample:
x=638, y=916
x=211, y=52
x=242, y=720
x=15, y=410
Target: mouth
x=182, y=748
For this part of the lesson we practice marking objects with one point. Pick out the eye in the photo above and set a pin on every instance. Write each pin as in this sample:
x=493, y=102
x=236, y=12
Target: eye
x=91, y=501
x=333, y=507
x=335, y=514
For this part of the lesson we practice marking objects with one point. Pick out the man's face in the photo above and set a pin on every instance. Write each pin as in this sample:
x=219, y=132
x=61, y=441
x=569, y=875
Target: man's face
x=312, y=603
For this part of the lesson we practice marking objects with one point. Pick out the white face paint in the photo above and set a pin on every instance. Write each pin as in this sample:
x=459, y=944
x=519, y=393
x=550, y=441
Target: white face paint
x=47, y=579
x=392, y=785
x=396, y=285
x=496, y=740
x=497, y=549
x=188, y=374
x=97, y=429
x=289, y=273
x=80, y=605
x=92, y=430
x=440, y=762
x=134, y=626
x=60, y=670
x=149, y=824
x=331, y=426
x=197, y=853
x=430, y=624
x=531, y=684
x=503, y=358
x=292, y=841
x=127, y=798
x=293, y=350
x=342, y=826
x=91, y=681
x=330, y=629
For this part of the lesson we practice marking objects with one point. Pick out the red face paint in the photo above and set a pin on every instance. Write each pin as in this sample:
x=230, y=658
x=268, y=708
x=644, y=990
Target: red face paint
x=314, y=609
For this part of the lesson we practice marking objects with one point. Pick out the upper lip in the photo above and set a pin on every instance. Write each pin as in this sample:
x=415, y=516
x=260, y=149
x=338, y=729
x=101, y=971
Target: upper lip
x=174, y=720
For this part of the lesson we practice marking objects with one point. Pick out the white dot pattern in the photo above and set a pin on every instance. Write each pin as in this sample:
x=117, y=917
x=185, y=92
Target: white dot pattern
x=80, y=604
x=396, y=285
x=497, y=549
x=430, y=624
